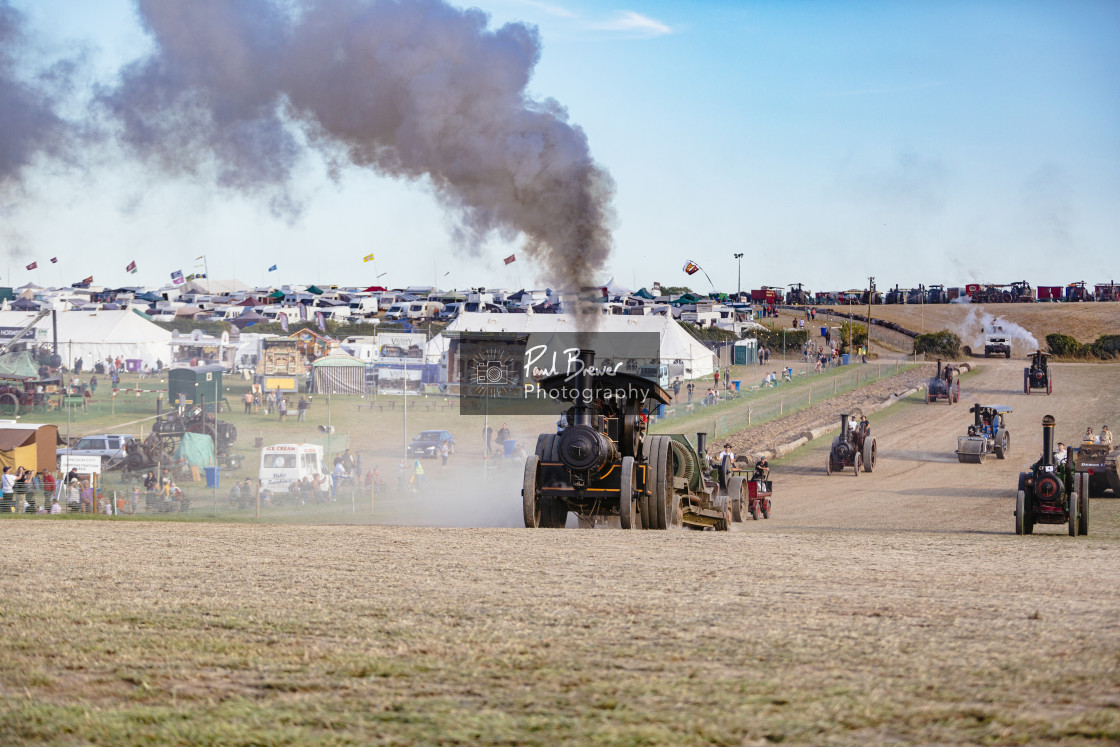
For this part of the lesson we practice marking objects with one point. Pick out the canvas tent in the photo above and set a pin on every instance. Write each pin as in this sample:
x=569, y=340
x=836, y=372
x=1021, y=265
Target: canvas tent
x=338, y=374
x=679, y=349
x=28, y=445
x=97, y=335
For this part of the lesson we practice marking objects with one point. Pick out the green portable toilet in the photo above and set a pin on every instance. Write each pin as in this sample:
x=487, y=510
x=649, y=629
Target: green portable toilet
x=745, y=352
x=193, y=384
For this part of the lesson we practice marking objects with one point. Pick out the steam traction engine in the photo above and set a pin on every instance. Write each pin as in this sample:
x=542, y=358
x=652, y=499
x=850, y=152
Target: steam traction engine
x=854, y=447
x=944, y=385
x=1052, y=492
x=1037, y=375
x=986, y=435
x=603, y=462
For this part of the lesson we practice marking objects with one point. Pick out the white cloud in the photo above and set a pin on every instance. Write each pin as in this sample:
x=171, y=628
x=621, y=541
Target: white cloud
x=553, y=10
x=628, y=21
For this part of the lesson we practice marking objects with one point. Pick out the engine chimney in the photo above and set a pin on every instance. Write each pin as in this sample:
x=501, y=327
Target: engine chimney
x=1048, y=440
x=701, y=443
x=844, y=426
x=582, y=401
x=976, y=419
x=939, y=368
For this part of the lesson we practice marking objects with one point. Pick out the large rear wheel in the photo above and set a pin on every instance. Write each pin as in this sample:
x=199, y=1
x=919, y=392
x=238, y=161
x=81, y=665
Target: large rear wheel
x=1021, y=513
x=627, y=510
x=1083, y=521
x=737, y=491
x=530, y=500
x=870, y=455
x=661, y=512
x=1003, y=445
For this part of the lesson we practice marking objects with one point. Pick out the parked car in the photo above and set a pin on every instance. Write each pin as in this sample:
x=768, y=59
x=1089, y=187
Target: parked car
x=429, y=444
x=109, y=446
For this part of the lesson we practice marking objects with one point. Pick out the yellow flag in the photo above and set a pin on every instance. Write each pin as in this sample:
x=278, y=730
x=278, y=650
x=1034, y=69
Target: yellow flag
x=367, y=258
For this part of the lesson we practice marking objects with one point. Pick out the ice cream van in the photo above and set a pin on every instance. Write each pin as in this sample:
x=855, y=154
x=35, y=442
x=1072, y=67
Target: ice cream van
x=283, y=464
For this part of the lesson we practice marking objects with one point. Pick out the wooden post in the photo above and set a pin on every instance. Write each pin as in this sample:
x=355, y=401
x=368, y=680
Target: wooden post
x=834, y=387
x=781, y=406
x=748, y=416
x=810, y=396
x=258, y=491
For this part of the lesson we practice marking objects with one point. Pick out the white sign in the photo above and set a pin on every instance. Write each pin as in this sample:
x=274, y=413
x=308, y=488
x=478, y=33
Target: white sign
x=86, y=465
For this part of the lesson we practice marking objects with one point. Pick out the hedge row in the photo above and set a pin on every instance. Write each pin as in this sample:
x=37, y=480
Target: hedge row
x=1105, y=347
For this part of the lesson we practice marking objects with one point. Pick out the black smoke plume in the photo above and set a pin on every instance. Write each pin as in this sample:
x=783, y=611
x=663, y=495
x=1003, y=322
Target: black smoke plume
x=416, y=90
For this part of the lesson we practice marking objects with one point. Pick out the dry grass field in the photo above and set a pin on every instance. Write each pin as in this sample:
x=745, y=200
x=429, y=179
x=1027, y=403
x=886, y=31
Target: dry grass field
x=893, y=607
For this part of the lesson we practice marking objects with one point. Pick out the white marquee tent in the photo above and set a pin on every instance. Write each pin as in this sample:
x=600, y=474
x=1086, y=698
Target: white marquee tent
x=678, y=347
x=96, y=335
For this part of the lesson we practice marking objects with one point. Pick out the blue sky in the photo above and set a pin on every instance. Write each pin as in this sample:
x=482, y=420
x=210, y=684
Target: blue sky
x=944, y=142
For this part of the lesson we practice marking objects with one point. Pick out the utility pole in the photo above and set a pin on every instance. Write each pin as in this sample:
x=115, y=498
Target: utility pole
x=739, y=291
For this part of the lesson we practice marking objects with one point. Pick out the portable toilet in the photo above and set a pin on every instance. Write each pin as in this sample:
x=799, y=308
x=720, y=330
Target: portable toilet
x=745, y=352
x=194, y=383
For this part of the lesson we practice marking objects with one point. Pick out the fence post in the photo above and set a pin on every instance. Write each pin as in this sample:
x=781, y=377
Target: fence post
x=781, y=406
x=810, y=396
x=834, y=387
x=748, y=416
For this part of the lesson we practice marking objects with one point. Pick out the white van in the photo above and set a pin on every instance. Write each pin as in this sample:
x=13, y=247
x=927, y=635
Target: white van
x=413, y=311
x=283, y=464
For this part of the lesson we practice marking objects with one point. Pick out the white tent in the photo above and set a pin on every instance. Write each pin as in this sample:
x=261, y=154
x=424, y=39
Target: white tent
x=678, y=347
x=96, y=335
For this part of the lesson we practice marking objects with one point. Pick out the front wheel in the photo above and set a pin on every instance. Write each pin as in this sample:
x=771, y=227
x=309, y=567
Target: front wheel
x=766, y=508
x=828, y=465
x=857, y=464
x=530, y=500
x=627, y=510
x=1021, y=513
x=1074, y=505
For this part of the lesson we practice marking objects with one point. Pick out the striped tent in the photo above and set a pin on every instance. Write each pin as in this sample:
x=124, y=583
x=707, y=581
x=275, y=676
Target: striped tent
x=338, y=374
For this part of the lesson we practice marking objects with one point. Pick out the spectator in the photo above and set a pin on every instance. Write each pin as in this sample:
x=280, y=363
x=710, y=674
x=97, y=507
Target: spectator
x=488, y=436
x=347, y=462
x=717, y=377
x=48, y=486
x=1105, y=438
x=417, y=475
x=248, y=400
x=727, y=377
x=55, y=507
x=8, y=483
x=338, y=473
x=691, y=388
x=301, y=410
x=676, y=388
x=282, y=407
x=503, y=436
x=85, y=497
x=444, y=451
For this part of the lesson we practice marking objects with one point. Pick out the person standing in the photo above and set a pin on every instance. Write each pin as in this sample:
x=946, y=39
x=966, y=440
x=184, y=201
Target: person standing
x=444, y=451
x=282, y=407
x=690, y=388
x=676, y=388
x=727, y=377
x=1106, y=437
x=417, y=475
x=717, y=378
x=301, y=410
x=248, y=400
x=8, y=488
x=488, y=436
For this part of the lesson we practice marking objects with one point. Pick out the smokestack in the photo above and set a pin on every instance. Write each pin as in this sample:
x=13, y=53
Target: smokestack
x=701, y=444
x=976, y=418
x=583, y=380
x=1048, y=440
x=939, y=368
x=843, y=426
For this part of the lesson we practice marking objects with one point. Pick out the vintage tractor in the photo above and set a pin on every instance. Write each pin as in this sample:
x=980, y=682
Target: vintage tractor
x=937, y=294
x=1037, y=375
x=988, y=434
x=798, y=296
x=854, y=447
x=602, y=462
x=945, y=385
x=1052, y=492
x=748, y=493
x=1098, y=461
x=1022, y=292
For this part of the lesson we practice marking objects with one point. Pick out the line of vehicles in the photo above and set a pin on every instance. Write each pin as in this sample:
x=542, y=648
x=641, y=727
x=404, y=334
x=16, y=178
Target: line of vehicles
x=1019, y=291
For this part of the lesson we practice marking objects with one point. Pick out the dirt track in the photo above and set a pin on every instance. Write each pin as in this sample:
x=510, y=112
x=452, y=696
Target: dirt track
x=919, y=485
x=896, y=606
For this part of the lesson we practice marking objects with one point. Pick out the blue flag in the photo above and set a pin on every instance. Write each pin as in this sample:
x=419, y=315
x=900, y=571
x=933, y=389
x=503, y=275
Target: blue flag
x=271, y=269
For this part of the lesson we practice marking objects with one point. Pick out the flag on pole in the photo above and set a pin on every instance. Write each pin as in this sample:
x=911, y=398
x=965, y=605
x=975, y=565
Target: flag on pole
x=191, y=277
x=320, y=321
x=303, y=312
x=85, y=282
x=272, y=269
x=177, y=277
x=692, y=268
x=367, y=258
x=54, y=260
x=131, y=267
x=510, y=259
x=33, y=265
x=284, y=322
